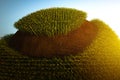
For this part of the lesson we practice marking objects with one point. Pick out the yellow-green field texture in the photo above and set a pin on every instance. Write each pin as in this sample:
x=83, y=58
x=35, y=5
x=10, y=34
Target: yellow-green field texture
x=99, y=61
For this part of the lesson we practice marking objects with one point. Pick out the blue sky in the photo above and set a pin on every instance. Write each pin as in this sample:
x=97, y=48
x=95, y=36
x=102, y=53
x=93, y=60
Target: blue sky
x=12, y=10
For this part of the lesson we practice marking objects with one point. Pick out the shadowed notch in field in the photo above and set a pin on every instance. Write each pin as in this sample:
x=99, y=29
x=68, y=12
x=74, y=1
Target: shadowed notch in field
x=58, y=45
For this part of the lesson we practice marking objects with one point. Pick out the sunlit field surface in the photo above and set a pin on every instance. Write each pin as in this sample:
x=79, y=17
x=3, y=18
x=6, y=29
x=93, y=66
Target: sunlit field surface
x=99, y=61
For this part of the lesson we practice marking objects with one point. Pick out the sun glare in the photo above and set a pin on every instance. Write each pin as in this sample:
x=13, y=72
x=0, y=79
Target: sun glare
x=110, y=19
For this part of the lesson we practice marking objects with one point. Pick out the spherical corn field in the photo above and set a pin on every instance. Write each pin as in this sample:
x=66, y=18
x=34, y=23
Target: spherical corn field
x=60, y=44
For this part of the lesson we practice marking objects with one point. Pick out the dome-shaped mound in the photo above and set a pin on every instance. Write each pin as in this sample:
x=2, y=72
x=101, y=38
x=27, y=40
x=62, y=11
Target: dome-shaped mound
x=99, y=61
x=51, y=21
x=95, y=46
x=72, y=43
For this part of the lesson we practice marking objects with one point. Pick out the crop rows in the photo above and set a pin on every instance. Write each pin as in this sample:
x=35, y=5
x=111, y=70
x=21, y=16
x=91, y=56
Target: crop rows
x=14, y=65
x=51, y=21
x=99, y=61
x=104, y=53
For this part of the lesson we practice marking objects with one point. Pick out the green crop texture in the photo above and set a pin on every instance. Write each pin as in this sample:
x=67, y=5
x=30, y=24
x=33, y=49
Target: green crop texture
x=51, y=21
x=14, y=66
x=103, y=62
x=100, y=61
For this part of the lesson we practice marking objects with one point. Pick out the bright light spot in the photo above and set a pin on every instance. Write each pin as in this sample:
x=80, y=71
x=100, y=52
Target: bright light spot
x=110, y=16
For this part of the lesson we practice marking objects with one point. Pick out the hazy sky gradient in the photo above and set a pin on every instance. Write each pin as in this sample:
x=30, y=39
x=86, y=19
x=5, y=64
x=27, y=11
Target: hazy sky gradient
x=12, y=10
